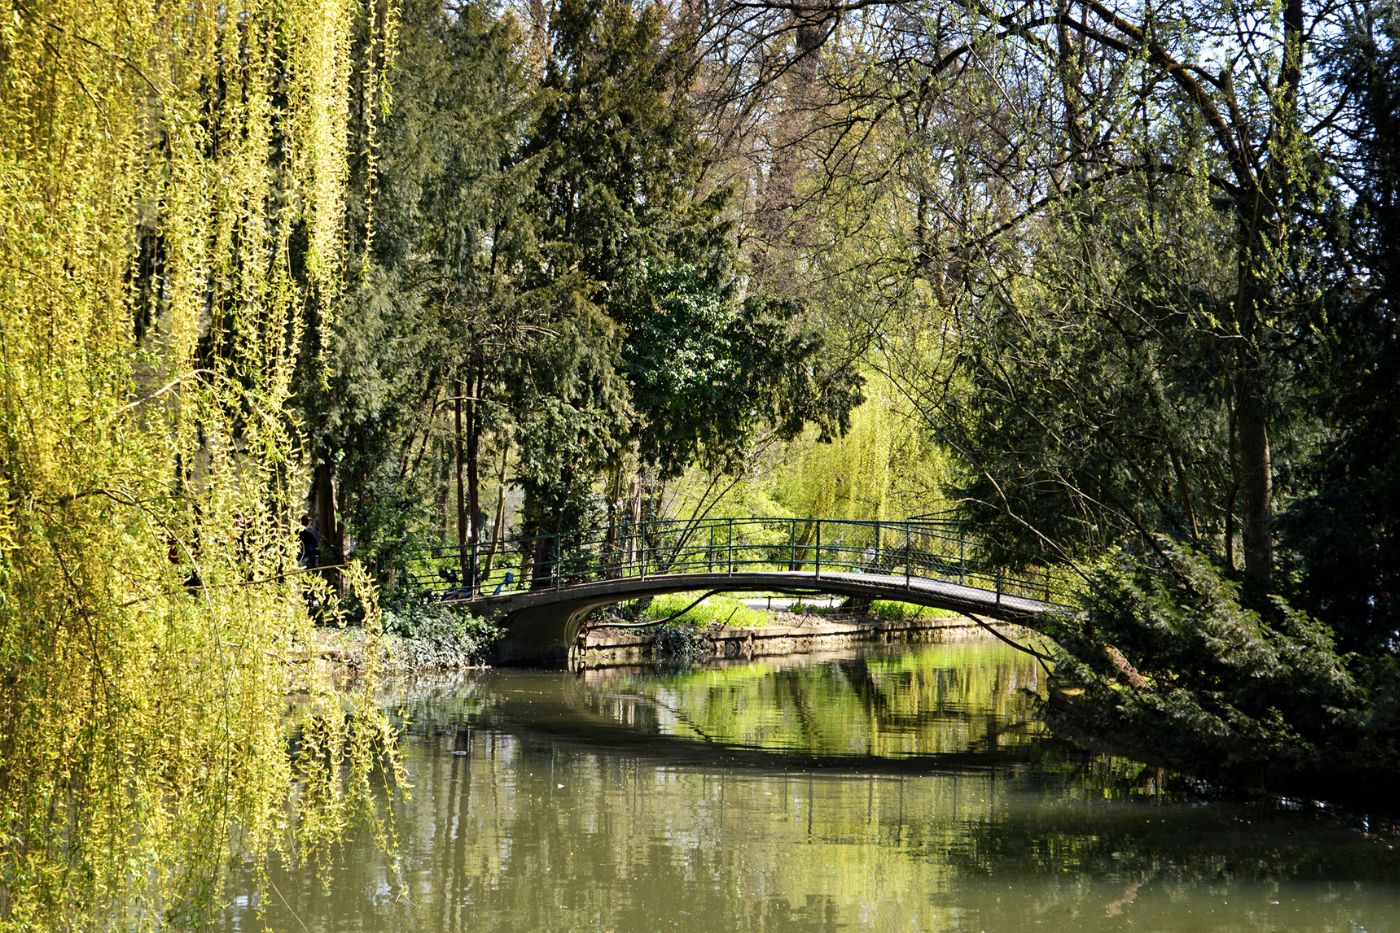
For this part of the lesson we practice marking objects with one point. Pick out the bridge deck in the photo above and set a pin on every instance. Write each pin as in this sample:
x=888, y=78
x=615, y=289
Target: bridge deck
x=937, y=593
x=542, y=624
x=542, y=585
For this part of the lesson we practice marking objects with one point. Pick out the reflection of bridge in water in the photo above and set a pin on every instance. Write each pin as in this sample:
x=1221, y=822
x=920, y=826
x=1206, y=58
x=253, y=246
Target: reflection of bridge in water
x=542, y=586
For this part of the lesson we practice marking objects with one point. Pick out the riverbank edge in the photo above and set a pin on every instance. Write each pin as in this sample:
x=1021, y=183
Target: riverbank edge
x=343, y=652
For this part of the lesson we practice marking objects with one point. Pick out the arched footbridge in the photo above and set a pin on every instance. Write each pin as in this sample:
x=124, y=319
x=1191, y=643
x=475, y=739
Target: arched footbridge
x=541, y=587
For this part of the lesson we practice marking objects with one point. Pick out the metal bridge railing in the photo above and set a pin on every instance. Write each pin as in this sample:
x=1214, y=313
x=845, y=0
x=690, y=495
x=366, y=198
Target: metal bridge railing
x=915, y=549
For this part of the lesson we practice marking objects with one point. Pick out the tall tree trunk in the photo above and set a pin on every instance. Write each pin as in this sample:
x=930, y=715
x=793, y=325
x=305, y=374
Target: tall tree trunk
x=323, y=493
x=542, y=566
x=1234, y=461
x=463, y=557
x=442, y=492
x=473, y=457
x=1262, y=230
x=1251, y=410
x=1256, y=477
x=546, y=516
x=1069, y=65
x=498, y=527
x=529, y=528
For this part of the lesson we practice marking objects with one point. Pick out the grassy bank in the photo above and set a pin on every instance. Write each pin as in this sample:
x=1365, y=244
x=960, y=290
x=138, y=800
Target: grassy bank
x=713, y=610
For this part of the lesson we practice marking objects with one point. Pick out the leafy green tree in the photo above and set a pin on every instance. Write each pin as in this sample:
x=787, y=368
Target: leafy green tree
x=1156, y=242
x=619, y=162
x=659, y=356
x=1344, y=528
x=571, y=405
x=1091, y=396
x=709, y=371
x=413, y=366
x=1175, y=662
x=1006, y=115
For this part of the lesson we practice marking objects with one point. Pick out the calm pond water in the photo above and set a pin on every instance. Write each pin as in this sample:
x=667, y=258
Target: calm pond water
x=907, y=791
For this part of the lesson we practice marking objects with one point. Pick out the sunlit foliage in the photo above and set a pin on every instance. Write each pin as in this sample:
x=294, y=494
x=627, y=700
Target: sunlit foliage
x=713, y=610
x=884, y=466
x=172, y=195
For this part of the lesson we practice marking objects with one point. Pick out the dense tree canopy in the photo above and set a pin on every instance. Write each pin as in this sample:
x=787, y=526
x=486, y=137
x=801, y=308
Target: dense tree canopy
x=554, y=298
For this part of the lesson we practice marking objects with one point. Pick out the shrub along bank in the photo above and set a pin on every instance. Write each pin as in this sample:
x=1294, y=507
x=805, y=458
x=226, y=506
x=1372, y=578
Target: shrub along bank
x=1179, y=662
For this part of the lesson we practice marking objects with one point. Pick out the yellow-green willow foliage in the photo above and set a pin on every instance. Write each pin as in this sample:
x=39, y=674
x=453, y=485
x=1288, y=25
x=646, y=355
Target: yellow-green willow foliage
x=884, y=467
x=172, y=199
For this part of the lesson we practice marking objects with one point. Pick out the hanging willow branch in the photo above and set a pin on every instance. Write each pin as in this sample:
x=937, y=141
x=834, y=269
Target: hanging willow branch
x=173, y=188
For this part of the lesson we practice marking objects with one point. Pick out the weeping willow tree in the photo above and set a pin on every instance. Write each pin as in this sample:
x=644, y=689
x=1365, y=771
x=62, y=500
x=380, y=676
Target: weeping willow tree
x=173, y=185
x=882, y=467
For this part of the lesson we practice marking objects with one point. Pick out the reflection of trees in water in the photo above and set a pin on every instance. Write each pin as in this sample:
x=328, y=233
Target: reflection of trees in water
x=934, y=701
x=533, y=836
x=560, y=823
x=1253, y=867
x=1180, y=842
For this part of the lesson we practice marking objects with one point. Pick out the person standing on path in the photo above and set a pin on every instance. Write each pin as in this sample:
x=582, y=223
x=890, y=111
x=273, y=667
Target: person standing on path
x=309, y=553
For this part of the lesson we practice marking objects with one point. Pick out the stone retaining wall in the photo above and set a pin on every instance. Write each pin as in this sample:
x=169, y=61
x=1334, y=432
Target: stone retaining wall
x=604, y=647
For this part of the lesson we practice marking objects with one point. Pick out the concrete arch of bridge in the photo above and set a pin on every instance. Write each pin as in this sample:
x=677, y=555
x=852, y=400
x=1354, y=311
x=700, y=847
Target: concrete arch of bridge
x=541, y=625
